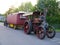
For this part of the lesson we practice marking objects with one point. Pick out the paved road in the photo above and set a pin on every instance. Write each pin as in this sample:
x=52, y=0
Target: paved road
x=9, y=36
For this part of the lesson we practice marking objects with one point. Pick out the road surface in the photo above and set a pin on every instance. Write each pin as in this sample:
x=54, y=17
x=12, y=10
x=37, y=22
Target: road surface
x=9, y=36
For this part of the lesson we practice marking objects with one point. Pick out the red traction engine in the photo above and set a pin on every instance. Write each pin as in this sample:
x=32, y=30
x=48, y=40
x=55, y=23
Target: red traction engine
x=33, y=24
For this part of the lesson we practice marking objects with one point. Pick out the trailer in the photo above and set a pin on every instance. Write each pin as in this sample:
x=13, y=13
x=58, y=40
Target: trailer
x=15, y=20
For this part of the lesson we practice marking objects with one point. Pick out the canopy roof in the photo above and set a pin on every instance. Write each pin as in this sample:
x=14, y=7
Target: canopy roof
x=28, y=13
x=32, y=13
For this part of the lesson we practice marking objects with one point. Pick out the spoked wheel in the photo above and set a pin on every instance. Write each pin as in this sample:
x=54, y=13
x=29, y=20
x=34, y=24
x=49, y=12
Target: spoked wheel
x=5, y=23
x=27, y=28
x=50, y=32
x=40, y=33
x=15, y=27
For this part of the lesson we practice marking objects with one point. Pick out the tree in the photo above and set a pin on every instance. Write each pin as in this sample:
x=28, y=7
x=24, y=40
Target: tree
x=21, y=7
x=11, y=10
x=51, y=5
x=26, y=7
x=53, y=14
x=16, y=10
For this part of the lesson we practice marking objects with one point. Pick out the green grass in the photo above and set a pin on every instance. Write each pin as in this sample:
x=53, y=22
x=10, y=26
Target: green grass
x=1, y=21
x=57, y=30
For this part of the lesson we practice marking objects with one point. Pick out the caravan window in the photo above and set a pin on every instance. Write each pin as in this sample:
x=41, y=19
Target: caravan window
x=21, y=16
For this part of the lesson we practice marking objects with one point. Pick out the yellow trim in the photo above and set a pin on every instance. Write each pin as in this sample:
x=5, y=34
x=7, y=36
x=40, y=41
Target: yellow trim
x=11, y=25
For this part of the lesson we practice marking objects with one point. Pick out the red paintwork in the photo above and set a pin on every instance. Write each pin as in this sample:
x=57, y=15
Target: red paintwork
x=15, y=19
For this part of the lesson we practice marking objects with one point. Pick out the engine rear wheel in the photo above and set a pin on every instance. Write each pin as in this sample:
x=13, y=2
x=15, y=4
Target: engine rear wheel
x=27, y=28
x=50, y=32
x=40, y=33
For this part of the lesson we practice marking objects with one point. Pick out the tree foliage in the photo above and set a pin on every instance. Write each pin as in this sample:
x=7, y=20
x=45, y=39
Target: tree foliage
x=28, y=7
x=53, y=15
x=51, y=5
x=10, y=10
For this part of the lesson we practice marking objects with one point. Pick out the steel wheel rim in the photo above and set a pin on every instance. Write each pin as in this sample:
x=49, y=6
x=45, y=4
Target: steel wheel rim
x=50, y=32
x=26, y=27
x=40, y=33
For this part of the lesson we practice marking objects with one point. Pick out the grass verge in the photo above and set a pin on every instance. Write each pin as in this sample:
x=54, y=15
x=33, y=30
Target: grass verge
x=57, y=30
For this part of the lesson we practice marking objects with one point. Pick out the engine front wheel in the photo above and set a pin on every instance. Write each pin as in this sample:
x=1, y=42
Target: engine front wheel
x=40, y=33
x=50, y=32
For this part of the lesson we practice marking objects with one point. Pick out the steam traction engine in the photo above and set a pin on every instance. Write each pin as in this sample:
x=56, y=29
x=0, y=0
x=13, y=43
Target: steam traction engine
x=34, y=24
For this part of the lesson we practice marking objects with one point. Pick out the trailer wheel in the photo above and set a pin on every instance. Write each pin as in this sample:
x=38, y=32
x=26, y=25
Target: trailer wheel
x=9, y=25
x=14, y=26
x=5, y=23
x=40, y=33
x=27, y=28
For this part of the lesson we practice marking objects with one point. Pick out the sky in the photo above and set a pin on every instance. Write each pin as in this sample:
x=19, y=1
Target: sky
x=6, y=4
x=58, y=0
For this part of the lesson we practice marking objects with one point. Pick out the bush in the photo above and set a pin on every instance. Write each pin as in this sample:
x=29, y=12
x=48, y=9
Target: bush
x=53, y=19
